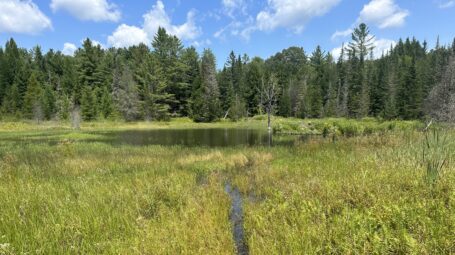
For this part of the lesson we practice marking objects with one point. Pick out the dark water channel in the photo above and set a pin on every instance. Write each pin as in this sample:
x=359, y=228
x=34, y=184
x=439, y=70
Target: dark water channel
x=236, y=219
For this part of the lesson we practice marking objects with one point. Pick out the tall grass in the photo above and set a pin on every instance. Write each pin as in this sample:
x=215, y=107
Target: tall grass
x=360, y=195
x=435, y=153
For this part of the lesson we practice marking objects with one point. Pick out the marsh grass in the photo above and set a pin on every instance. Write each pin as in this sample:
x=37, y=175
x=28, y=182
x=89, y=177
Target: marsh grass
x=435, y=154
x=360, y=195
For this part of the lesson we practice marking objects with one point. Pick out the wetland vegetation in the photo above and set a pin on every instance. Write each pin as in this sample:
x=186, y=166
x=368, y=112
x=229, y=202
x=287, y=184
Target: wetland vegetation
x=366, y=191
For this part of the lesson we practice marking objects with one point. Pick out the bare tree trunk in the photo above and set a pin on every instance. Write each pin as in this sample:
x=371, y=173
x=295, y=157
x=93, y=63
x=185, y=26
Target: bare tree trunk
x=269, y=121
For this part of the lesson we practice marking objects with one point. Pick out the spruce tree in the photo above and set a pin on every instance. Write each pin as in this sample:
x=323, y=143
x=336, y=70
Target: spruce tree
x=206, y=103
x=33, y=107
x=49, y=103
x=88, y=104
x=317, y=83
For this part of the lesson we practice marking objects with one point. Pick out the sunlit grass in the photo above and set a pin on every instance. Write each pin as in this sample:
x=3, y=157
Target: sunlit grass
x=361, y=195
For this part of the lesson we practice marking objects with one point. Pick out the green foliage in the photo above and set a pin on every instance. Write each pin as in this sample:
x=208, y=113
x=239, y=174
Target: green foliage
x=88, y=104
x=33, y=105
x=49, y=103
x=206, y=105
x=168, y=80
x=435, y=154
x=166, y=200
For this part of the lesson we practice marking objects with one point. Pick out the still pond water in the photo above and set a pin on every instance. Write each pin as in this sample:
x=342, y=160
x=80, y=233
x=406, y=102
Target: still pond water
x=212, y=137
x=202, y=137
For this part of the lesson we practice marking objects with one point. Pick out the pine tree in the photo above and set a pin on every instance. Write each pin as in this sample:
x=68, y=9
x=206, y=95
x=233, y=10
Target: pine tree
x=49, y=103
x=33, y=107
x=125, y=93
x=9, y=67
x=106, y=104
x=317, y=83
x=167, y=50
x=358, y=50
x=206, y=106
x=343, y=88
x=253, y=78
x=11, y=102
x=88, y=104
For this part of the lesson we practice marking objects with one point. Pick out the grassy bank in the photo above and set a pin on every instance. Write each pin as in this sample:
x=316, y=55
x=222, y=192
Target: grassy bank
x=359, y=194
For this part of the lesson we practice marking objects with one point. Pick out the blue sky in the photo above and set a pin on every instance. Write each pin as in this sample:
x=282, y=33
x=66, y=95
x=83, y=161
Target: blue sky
x=257, y=27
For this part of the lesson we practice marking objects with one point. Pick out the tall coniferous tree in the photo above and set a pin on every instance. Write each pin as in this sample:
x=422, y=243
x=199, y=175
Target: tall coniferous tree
x=205, y=103
x=317, y=84
x=359, y=49
x=33, y=106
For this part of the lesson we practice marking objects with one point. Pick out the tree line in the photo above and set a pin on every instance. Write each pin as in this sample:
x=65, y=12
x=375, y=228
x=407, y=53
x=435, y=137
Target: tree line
x=409, y=81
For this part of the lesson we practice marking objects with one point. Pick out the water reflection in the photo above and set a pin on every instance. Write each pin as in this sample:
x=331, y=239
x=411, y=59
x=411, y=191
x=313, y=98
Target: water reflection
x=200, y=137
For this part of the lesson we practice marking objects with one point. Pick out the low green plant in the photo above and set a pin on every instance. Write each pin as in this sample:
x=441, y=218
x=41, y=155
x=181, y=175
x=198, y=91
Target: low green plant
x=435, y=154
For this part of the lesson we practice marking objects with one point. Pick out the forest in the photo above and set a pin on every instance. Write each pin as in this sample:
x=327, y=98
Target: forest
x=410, y=81
x=154, y=149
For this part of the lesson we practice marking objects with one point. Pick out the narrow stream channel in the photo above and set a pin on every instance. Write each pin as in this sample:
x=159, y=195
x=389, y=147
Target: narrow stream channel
x=236, y=219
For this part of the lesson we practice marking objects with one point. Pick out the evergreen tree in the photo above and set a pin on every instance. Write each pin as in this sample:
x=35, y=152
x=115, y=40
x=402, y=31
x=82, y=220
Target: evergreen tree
x=358, y=50
x=33, y=107
x=206, y=104
x=167, y=50
x=125, y=93
x=49, y=103
x=11, y=102
x=106, y=104
x=88, y=104
x=317, y=84
x=253, y=78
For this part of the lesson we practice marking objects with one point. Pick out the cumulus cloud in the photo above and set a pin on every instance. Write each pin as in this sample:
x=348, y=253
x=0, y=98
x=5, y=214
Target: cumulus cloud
x=125, y=35
x=23, y=17
x=69, y=49
x=384, y=14
x=94, y=10
x=157, y=17
x=292, y=14
x=380, y=46
x=446, y=4
x=288, y=14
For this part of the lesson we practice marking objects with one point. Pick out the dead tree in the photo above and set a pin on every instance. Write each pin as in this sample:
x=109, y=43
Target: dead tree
x=269, y=92
x=441, y=102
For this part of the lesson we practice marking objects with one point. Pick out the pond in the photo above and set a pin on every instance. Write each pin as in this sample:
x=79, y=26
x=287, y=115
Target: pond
x=213, y=137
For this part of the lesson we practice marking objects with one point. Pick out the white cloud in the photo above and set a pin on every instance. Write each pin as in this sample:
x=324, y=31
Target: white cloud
x=94, y=10
x=380, y=46
x=336, y=52
x=447, y=4
x=383, y=13
x=126, y=36
x=343, y=33
x=289, y=14
x=202, y=43
x=236, y=28
x=97, y=43
x=22, y=17
x=69, y=49
x=157, y=17
x=292, y=14
x=232, y=6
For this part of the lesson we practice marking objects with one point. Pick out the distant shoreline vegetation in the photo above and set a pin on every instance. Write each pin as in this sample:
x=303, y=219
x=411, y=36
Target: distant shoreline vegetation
x=166, y=80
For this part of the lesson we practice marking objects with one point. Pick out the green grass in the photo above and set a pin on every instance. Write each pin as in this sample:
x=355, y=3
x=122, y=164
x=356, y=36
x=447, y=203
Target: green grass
x=364, y=194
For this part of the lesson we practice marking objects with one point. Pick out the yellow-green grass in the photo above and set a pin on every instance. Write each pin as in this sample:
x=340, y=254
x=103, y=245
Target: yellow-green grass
x=358, y=195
